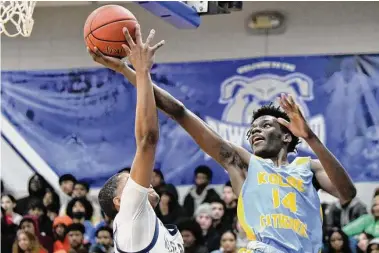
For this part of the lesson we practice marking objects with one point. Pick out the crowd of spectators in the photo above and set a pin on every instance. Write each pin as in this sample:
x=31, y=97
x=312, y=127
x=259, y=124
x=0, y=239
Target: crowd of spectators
x=71, y=222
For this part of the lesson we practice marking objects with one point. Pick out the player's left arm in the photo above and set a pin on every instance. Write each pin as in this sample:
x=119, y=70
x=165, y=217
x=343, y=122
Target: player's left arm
x=328, y=171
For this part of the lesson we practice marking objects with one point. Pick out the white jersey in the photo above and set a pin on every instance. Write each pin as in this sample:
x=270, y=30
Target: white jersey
x=137, y=229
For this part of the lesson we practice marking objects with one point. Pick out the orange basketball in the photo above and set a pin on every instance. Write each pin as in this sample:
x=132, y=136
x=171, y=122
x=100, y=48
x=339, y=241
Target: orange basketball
x=103, y=29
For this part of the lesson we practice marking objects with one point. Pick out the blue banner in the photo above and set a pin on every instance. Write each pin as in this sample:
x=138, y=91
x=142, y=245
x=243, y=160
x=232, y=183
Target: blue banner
x=82, y=121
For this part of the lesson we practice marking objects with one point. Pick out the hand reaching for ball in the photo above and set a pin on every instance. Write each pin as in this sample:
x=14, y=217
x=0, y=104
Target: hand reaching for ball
x=140, y=55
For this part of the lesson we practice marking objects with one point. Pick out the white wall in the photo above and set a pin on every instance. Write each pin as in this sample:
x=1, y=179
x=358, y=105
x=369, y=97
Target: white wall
x=312, y=28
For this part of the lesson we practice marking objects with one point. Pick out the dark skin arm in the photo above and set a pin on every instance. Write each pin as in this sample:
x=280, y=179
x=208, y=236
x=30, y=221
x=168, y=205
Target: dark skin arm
x=146, y=122
x=329, y=172
x=232, y=158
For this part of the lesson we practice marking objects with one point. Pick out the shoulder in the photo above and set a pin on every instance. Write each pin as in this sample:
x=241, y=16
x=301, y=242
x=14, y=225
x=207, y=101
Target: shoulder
x=235, y=155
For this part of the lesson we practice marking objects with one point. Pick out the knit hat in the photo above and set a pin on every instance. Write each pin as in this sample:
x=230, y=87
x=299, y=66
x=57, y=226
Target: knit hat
x=65, y=220
x=204, y=208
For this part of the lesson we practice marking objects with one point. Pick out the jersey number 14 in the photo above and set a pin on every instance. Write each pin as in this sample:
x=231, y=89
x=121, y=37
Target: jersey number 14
x=288, y=201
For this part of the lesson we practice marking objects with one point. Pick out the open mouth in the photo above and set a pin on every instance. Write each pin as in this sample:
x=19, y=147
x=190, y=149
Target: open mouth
x=258, y=139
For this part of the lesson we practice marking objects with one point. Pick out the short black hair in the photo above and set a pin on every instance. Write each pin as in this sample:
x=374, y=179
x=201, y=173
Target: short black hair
x=126, y=169
x=204, y=170
x=67, y=177
x=35, y=203
x=193, y=227
x=76, y=227
x=85, y=184
x=104, y=228
x=271, y=110
x=106, y=195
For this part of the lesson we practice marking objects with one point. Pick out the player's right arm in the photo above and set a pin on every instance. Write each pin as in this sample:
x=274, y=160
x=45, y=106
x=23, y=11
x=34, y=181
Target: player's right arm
x=231, y=157
x=146, y=122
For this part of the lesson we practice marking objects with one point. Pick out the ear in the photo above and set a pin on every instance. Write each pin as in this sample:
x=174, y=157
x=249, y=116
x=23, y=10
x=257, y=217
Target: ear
x=287, y=138
x=117, y=202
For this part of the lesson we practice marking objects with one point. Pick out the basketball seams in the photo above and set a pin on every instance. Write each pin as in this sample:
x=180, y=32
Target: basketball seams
x=115, y=21
x=89, y=39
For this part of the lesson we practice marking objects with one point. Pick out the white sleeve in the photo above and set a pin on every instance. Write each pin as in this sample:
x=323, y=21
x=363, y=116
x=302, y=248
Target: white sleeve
x=135, y=223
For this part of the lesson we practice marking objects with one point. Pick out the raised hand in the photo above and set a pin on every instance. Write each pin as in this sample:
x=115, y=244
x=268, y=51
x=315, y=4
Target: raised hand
x=297, y=125
x=141, y=55
x=107, y=61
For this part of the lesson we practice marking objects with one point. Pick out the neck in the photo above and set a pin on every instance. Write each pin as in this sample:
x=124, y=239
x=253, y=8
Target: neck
x=232, y=204
x=280, y=159
x=216, y=222
x=9, y=212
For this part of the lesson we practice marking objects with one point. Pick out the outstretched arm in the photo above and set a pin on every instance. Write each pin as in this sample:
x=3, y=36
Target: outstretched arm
x=329, y=172
x=232, y=158
x=146, y=122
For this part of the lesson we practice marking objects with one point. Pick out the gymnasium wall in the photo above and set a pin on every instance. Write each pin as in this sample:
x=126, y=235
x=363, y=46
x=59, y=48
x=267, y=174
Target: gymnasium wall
x=312, y=28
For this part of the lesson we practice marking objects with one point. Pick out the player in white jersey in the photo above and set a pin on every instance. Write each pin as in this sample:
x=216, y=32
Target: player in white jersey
x=129, y=198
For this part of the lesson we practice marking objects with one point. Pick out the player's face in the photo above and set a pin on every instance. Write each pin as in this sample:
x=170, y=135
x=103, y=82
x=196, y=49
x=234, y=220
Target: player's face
x=228, y=242
x=336, y=241
x=266, y=137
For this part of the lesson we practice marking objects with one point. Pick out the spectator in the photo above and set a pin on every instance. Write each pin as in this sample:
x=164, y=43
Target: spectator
x=8, y=233
x=51, y=198
x=341, y=215
x=60, y=226
x=373, y=246
x=203, y=216
x=75, y=233
x=27, y=242
x=201, y=192
x=80, y=211
x=104, y=239
x=193, y=241
x=30, y=224
x=66, y=182
x=37, y=188
x=230, y=200
x=52, y=211
x=8, y=202
x=368, y=223
x=363, y=241
x=338, y=242
x=242, y=240
x=219, y=223
x=168, y=209
x=81, y=189
x=228, y=243
x=37, y=209
x=106, y=222
x=157, y=181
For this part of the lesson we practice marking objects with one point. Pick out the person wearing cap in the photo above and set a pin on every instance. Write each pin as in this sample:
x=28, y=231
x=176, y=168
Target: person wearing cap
x=373, y=246
x=60, y=226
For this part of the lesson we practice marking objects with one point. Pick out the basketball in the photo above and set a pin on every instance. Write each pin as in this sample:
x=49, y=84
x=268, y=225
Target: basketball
x=103, y=29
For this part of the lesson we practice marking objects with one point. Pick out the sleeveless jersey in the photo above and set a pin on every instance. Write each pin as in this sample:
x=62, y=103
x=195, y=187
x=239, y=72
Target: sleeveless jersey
x=166, y=239
x=280, y=207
